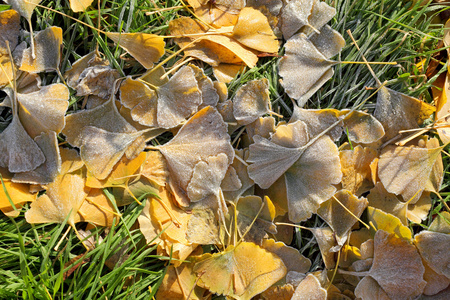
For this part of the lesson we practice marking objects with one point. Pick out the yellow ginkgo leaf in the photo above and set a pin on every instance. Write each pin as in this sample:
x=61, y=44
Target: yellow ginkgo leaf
x=63, y=199
x=240, y=272
x=355, y=166
x=18, y=193
x=80, y=5
x=48, y=44
x=253, y=30
x=290, y=256
x=144, y=47
x=388, y=223
x=97, y=209
x=213, y=15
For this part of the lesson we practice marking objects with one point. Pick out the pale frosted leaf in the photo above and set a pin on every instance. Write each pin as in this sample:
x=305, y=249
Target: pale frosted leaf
x=337, y=217
x=144, y=47
x=278, y=292
x=263, y=126
x=63, y=199
x=418, y=211
x=44, y=110
x=253, y=30
x=148, y=226
x=231, y=181
x=310, y=289
x=435, y=282
x=405, y=170
x=45, y=173
x=318, y=120
x=433, y=247
x=310, y=179
x=291, y=257
x=104, y=116
x=325, y=238
x=97, y=80
x=302, y=63
x=48, y=44
x=251, y=101
x=321, y=14
x=329, y=42
x=437, y=173
x=72, y=75
x=397, y=111
x=206, y=86
x=244, y=179
x=178, y=99
x=187, y=148
x=240, y=272
x=369, y=289
x=361, y=127
x=18, y=151
x=215, y=14
x=9, y=30
x=441, y=223
x=397, y=267
x=101, y=150
x=70, y=160
x=142, y=101
x=294, y=16
x=25, y=8
x=207, y=177
x=271, y=159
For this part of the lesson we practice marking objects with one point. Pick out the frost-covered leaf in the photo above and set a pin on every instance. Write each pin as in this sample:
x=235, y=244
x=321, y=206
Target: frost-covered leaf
x=433, y=247
x=355, y=166
x=310, y=288
x=251, y=101
x=9, y=30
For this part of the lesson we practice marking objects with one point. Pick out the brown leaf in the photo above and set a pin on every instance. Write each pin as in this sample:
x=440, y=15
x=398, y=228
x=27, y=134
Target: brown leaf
x=251, y=101
x=9, y=30
x=310, y=289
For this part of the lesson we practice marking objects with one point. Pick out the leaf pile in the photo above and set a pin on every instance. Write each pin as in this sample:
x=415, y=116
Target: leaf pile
x=223, y=179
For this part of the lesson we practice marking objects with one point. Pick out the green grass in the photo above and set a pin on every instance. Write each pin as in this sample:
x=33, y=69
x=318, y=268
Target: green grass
x=31, y=268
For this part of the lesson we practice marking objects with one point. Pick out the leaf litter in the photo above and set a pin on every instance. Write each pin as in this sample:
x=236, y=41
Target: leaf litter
x=229, y=175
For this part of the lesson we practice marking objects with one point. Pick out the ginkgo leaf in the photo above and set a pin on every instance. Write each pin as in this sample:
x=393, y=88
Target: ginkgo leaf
x=303, y=63
x=142, y=101
x=327, y=245
x=97, y=209
x=225, y=73
x=271, y=160
x=405, y=170
x=104, y=116
x=206, y=86
x=337, y=217
x=97, y=80
x=310, y=179
x=388, y=223
x=178, y=283
x=212, y=49
x=63, y=199
x=294, y=16
x=397, y=267
x=144, y=47
x=9, y=30
x=251, y=101
x=241, y=272
x=210, y=14
x=387, y=202
x=397, y=111
x=44, y=111
x=310, y=288
x=18, y=193
x=6, y=74
x=437, y=173
x=120, y=175
x=368, y=288
x=148, y=225
x=80, y=5
x=435, y=282
x=92, y=59
x=178, y=99
x=254, y=217
x=355, y=167
x=203, y=228
x=263, y=126
x=25, y=8
x=45, y=173
x=241, y=172
x=279, y=292
x=48, y=44
x=361, y=127
x=253, y=30
x=321, y=14
x=291, y=257
x=207, y=177
x=18, y=151
x=206, y=127
x=329, y=42
x=155, y=168
x=101, y=150
x=433, y=247
x=318, y=120
x=441, y=223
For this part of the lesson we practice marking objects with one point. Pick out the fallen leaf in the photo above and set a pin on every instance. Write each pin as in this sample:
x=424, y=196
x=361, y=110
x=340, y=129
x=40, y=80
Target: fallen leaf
x=9, y=31
x=355, y=167
x=251, y=101
x=97, y=209
x=441, y=223
x=294, y=16
x=48, y=43
x=80, y=5
x=18, y=193
x=388, y=223
x=327, y=245
x=433, y=247
x=310, y=289
x=213, y=15
x=144, y=47
x=206, y=86
x=241, y=271
x=291, y=257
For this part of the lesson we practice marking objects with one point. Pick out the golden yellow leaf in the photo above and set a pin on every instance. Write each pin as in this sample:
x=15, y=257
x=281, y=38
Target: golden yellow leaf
x=145, y=48
x=213, y=15
x=240, y=272
x=18, y=193
x=355, y=166
x=97, y=209
x=225, y=73
x=290, y=256
x=388, y=223
x=80, y=5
